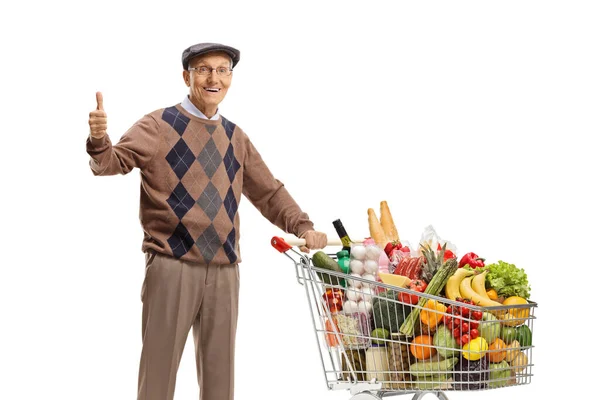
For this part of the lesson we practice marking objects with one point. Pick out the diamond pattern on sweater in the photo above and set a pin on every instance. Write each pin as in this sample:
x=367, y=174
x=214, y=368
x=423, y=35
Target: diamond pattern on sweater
x=180, y=241
x=231, y=163
x=209, y=243
x=210, y=158
x=229, y=126
x=211, y=128
x=210, y=201
x=229, y=246
x=177, y=120
x=180, y=201
x=230, y=204
x=180, y=158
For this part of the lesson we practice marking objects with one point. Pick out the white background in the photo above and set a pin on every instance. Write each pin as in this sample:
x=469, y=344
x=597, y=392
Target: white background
x=476, y=117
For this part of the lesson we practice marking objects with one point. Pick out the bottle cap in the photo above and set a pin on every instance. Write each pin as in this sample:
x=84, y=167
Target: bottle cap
x=342, y=254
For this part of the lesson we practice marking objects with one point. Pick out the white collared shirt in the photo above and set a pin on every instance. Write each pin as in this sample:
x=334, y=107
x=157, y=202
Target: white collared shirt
x=192, y=109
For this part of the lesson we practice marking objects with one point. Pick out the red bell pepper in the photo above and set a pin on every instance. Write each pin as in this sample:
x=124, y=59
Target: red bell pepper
x=471, y=259
x=416, y=285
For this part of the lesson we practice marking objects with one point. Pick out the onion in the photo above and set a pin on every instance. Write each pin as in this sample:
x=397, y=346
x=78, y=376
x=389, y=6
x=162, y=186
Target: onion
x=354, y=294
x=358, y=252
x=371, y=266
x=357, y=267
x=355, y=283
x=350, y=307
x=373, y=252
x=366, y=294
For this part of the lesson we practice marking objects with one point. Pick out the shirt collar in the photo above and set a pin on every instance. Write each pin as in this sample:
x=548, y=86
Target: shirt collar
x=192, y=109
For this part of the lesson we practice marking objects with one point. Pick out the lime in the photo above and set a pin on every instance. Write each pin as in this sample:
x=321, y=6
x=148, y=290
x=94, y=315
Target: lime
x=475, y=349
x=380, y=333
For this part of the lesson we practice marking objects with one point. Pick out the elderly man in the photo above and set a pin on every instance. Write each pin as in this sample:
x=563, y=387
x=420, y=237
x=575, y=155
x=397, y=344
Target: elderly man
x=195, y=165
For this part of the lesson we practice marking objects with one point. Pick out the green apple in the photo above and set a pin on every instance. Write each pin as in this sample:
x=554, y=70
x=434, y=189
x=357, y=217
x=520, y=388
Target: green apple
x=489, y=327
x=508, y=334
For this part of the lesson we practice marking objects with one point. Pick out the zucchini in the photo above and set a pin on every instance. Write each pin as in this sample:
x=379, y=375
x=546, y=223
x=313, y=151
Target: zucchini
x=432, y=368
x=321, y=260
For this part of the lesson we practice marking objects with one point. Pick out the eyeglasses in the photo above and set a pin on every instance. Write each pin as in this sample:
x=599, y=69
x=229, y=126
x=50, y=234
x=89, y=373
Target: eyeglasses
x=203, y=70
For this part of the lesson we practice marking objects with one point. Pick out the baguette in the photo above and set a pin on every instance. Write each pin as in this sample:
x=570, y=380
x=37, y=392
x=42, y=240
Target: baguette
x=375, y=229
x=387, y=222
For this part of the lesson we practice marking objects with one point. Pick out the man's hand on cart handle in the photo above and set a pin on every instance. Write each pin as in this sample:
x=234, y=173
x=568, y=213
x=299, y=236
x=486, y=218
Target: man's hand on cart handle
x=314, y=241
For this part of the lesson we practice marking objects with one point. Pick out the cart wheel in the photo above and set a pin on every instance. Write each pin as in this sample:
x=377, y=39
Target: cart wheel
x=365, y=396
x=439, y=395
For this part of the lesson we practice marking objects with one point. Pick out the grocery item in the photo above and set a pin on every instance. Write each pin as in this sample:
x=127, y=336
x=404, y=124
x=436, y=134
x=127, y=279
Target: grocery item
x=388, y=313
x=523, y=336
x=376, y=230
x=421, y=347
x=341, y=231
x=445, y=343
x=499, y=374
x=497, y=351
x=508, y=280
x=321, y=260
x=355, y=329
x=399, y=362
x=467, y=292
x=478, y=284
x=470, y=374
x=387, y=222
x=472, y=260
x=377, y=363
x=333, y=298
x=358, y=362
x=433, y=368
x=432, y=314
x=452, y=285
x=475, y=349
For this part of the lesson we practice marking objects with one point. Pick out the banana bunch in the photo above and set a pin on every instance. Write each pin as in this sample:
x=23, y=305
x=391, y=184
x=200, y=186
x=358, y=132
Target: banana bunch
x=464, y=283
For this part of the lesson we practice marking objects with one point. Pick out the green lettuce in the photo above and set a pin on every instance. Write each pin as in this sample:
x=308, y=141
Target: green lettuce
x=507, y=280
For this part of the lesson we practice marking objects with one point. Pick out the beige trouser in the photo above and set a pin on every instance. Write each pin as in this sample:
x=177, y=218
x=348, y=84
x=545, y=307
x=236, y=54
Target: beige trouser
x=177, y=295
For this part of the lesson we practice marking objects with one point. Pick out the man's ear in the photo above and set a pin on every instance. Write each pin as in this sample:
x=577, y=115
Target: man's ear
x=186, y=78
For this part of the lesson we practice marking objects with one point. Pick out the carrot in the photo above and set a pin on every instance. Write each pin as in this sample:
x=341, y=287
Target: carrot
x=387, y=222
x=376, y=230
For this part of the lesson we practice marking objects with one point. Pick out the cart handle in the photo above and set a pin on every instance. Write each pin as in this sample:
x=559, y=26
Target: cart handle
x=282, y=245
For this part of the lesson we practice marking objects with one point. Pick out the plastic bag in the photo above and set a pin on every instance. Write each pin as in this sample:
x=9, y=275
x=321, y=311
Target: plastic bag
x=430, y=238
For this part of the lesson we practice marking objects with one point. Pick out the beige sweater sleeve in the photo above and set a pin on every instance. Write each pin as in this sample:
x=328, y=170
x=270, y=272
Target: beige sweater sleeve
x=270, y=196
x=135, y=149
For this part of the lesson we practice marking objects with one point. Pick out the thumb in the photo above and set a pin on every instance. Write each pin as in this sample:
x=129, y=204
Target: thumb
x=99, y=101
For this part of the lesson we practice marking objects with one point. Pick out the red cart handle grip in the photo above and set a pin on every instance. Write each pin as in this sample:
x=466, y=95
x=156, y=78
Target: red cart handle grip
x=280, y=244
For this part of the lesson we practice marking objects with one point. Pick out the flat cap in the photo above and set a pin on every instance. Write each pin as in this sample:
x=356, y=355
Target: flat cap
x=203, y=48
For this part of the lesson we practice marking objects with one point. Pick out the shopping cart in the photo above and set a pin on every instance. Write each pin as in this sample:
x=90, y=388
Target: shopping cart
x=363, y=350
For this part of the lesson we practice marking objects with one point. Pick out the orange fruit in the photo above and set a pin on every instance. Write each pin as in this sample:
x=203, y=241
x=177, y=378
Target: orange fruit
x=422, y=347
x=497, y=351
x=492, y=294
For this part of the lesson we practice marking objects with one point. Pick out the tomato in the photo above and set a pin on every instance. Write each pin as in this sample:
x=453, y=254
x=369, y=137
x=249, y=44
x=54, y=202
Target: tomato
x=408, y=298
x=477, y=315
x=448, y=320
x=474, y=333
x=456, y=333
x=464, y=339
x=465, y=327
x=474, y=324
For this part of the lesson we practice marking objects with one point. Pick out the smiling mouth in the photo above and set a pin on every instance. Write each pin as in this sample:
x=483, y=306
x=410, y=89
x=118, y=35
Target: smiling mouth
x=212, y=90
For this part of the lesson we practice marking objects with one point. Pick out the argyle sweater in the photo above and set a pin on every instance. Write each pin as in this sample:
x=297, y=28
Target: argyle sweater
x=193, y=174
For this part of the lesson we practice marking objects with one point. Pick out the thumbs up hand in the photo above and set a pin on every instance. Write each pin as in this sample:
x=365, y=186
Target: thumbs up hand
x=98, y=119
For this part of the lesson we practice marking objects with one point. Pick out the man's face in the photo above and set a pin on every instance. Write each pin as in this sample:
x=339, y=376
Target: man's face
x=208, y=90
